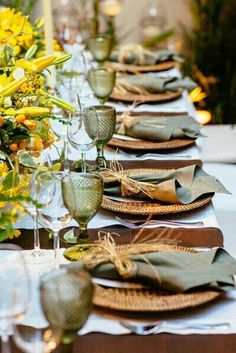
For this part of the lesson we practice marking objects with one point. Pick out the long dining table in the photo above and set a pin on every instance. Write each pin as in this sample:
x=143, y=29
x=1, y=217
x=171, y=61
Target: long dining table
x=208, y=236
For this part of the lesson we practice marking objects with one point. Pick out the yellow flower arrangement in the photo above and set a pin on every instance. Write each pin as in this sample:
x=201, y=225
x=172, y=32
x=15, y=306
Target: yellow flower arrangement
x=16, y=30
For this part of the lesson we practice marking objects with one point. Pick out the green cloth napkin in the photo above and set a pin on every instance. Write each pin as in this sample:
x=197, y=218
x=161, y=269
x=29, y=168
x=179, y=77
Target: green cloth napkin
x=179, y=271
x=160, y=128
x=176, y=186
x=149, y=58
x=154, y=84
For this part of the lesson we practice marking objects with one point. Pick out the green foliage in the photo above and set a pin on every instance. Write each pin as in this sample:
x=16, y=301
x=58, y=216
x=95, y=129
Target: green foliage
x=20, y=5
x=211, y=54
x=158, y=39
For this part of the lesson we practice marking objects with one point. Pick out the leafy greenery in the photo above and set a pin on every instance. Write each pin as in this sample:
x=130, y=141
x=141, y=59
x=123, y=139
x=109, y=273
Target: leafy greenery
x=19, y=5
x=211, y=53
x=158, y=39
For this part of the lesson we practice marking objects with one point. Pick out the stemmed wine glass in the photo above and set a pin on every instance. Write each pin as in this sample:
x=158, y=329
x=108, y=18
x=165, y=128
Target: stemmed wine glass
x=100, y=47
x=106, y=118
x=37, y=333
x=60, y=127
x=102, y=81
x=15, y=290
x=78, y=132
x=82, y=194
x=53, y=215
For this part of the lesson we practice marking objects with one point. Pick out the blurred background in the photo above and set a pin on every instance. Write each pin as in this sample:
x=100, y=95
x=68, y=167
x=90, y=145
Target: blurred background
x=202, y=31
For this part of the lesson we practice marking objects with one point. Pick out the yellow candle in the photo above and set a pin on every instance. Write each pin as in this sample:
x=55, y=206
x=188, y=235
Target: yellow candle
x=111, y=7
x=48, y=26
x=48, y=35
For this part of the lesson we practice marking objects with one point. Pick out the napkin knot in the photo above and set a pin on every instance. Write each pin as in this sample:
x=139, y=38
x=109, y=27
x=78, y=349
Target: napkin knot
x=124, y=266
x=136, y=51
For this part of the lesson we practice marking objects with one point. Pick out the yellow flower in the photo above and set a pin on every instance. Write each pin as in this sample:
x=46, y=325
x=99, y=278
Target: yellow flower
x=3, y=169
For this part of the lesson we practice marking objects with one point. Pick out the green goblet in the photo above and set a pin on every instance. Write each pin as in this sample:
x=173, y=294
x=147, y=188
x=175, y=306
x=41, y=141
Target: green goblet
x=82, y=195
x=72, y=287
x=100, y=47
x=106, y=120
x=102, y=81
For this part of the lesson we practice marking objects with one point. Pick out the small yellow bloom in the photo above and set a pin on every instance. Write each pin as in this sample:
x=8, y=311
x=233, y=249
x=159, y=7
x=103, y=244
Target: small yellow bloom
x=3, y=169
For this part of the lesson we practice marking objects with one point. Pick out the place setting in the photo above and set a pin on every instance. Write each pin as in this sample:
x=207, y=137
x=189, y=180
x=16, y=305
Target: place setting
x=110, y=226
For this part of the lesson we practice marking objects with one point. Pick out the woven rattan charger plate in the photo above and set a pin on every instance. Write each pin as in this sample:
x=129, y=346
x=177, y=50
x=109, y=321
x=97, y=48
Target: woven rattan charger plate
x=140, y=68
x=149, y=98
x=150, y=145
x=146, y=300
x=147, y=208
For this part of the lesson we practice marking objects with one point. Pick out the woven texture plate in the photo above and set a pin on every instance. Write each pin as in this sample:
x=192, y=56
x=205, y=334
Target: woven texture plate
x=150, y=145
x=143, y=300
x=141, y=68
x=151, y=98
x=145, y=207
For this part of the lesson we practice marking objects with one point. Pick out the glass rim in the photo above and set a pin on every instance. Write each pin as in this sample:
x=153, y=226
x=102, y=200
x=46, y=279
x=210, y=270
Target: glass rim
x=104, y=107
x=83, y=175
x=102, y=68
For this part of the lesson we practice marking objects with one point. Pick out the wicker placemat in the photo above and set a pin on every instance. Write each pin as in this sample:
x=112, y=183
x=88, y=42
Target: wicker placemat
x=145, y=207
x=151, y=98
x=143, y=300
x=151, y=145
x=141, y=68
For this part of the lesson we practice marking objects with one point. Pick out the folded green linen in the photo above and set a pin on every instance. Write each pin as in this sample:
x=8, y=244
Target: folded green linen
x=178, y=271
x=158, y=128
x=148, y=57
x=176, y=186
x=151, y=83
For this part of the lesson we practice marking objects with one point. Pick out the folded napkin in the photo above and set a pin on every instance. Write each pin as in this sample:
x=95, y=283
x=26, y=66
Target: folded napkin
x=177, y=186
x=158, y=128
x=151, y=83
x=143, y=56
x=175, y=271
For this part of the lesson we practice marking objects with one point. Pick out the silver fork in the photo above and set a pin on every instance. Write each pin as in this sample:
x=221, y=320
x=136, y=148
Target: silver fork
x=150, y=329
x=166, y=156
x=132, y=224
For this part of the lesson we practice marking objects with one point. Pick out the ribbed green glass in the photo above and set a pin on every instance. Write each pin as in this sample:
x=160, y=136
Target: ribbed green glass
x=102, y=82
x=100, y=47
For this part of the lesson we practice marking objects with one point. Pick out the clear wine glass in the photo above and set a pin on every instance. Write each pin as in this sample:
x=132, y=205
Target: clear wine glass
x=82, y=194
x=60, y=127
x=15, y=290
x=36, y=255
x=78, y=132
x=36, y=334
x=102, y=81
x=53, y=215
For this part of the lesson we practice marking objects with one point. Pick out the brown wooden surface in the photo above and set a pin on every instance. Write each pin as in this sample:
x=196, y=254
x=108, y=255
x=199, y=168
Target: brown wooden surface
x=162, y=343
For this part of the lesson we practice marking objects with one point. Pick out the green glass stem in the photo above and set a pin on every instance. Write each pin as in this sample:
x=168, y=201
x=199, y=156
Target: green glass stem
x=100, y=160
x=83, y=232
x=102, y=100
x=83, y=162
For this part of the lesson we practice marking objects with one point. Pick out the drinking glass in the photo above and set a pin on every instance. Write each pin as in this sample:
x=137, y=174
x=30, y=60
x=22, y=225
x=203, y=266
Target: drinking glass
x=78, y=132
x=15, y=290
x=60, y=127
x=102, y=81
x=82, y=194
x=106, y=117
x=53, y=215
x=74, y=289
x=72, y=78
x=100, y=47
x=37, y=334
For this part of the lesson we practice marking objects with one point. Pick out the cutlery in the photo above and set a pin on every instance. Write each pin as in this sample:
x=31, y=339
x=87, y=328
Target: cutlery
x=167, y=155
x=150, y=329
x=154, y=222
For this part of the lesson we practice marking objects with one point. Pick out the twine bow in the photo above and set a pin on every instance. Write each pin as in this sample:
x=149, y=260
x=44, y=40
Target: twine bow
x=128, y=121
x=124, y=266
x=129, y=186
x=137, y=51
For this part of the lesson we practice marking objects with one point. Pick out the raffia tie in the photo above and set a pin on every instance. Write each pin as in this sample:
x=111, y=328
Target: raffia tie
x=128, y=121
x=129, y=186
x=123, y=86
x=124, y=266
x=137, y=50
